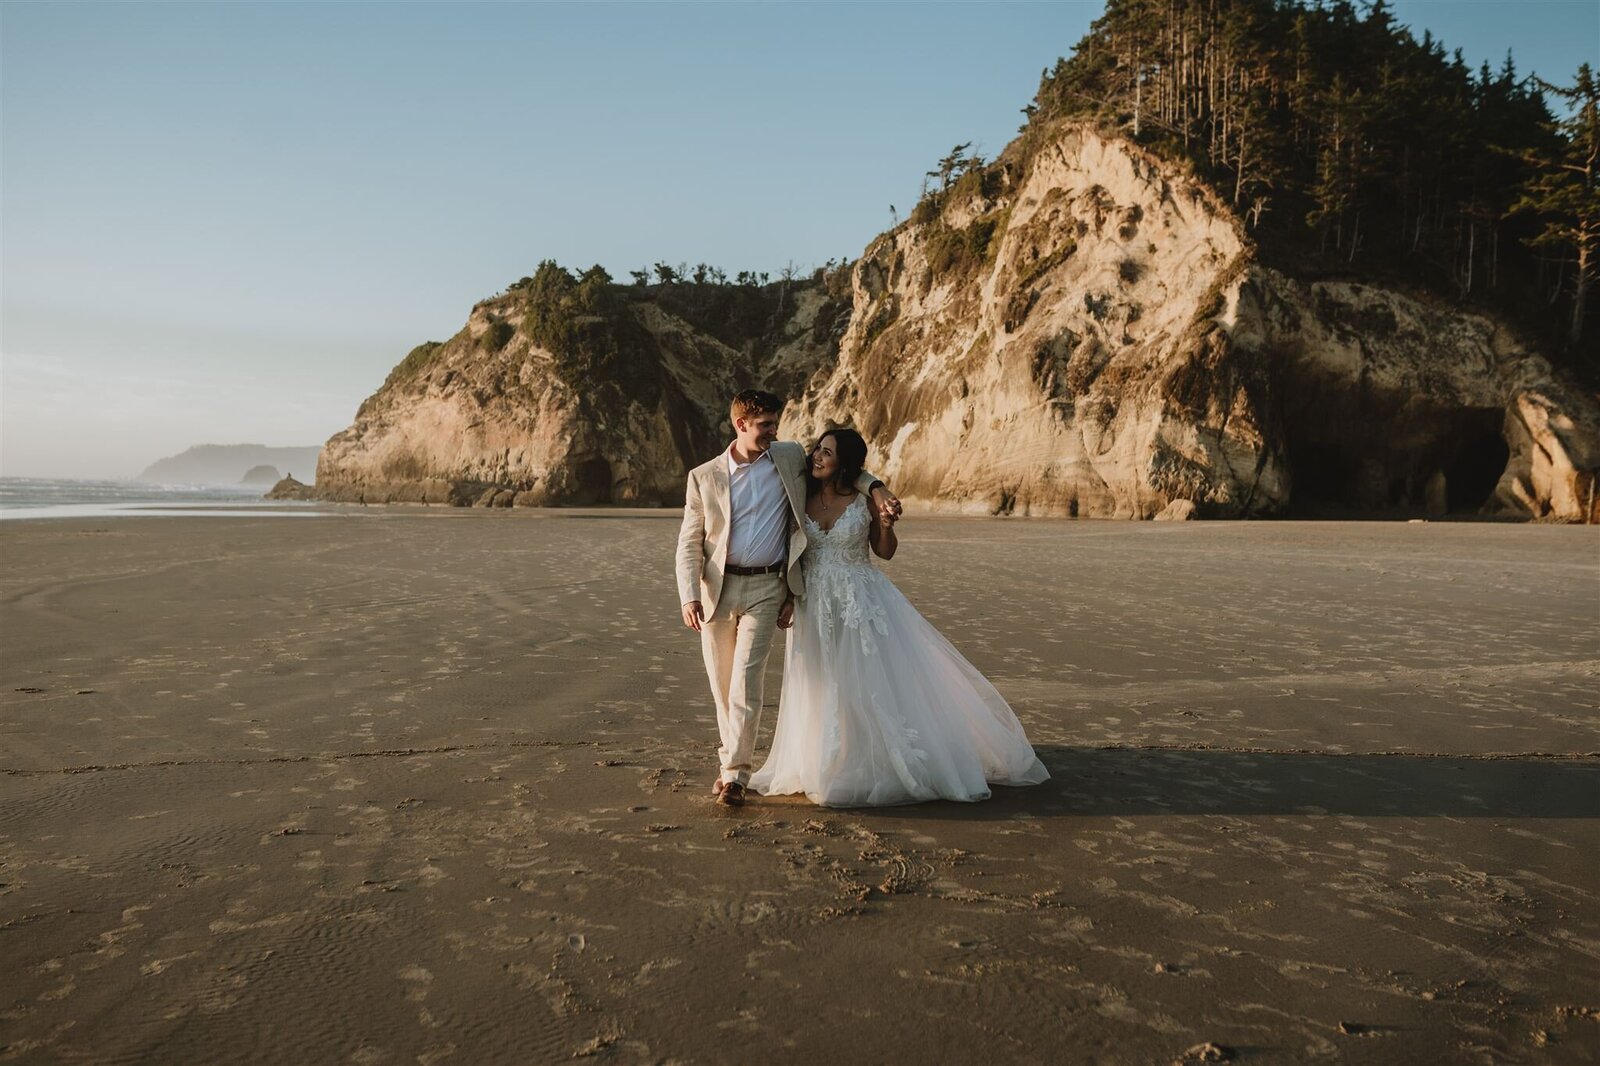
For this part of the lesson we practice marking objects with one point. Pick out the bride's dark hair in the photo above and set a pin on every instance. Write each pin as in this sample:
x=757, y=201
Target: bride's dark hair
x=850, y=451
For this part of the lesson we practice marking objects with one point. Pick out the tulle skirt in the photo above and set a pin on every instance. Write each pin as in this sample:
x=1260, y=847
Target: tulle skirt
x=879, y=708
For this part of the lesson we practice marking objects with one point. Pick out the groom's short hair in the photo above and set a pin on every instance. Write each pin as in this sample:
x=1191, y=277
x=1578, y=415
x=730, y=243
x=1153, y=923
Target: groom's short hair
x=752, y=402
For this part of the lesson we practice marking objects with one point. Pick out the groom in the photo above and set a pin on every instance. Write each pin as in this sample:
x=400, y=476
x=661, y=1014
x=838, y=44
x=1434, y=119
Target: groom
x=739, y=568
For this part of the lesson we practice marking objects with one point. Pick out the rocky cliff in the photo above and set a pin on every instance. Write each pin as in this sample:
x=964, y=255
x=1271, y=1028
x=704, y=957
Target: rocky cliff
x=1118, y=347
x=289, y=488
x=1078, y=328
x=1052, y=344
x=554, y=395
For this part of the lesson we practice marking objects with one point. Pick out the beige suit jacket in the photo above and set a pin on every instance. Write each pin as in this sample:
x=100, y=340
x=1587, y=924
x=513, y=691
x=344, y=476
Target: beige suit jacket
x=707, y=522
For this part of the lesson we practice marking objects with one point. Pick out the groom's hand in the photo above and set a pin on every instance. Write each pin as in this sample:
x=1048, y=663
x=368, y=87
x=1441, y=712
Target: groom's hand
x=888, y=505
x=693, y=616
x=786, y=614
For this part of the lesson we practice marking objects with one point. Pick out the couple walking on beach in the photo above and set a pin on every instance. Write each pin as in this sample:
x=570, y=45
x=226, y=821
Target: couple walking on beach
x=877, y=706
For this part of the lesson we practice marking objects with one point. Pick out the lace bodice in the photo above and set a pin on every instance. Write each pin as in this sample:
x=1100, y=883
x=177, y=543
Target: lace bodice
x=846, y=542
x=837, y=567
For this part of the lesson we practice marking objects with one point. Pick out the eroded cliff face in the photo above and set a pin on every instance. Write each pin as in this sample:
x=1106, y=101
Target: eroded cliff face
x=1085, y=331
x=1077, y=368
x=494, y=419
x=1388, y=400
x=1118, y=351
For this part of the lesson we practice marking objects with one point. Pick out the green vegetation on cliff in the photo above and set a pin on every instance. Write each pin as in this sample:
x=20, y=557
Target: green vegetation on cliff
x=590, y=324
x=1350, y=146
x=592, y=328
x=414, y=363
x=585, y=325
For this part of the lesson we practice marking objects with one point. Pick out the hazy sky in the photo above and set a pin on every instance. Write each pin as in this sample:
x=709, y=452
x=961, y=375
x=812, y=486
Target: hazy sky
x=225, y=223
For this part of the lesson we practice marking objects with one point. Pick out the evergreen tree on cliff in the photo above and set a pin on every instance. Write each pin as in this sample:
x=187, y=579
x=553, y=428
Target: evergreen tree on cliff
x=1564, y=193
x=1350, y=146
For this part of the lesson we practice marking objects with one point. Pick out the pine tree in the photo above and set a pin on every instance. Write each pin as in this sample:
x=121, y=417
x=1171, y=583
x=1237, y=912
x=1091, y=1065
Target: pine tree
x=1564, y=192
x=951, y=166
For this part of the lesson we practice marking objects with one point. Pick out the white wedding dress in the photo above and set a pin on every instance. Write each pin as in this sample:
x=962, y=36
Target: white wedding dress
x=878, y=707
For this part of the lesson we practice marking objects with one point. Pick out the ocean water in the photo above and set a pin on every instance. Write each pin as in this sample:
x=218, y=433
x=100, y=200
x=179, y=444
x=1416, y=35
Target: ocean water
x=28, y=497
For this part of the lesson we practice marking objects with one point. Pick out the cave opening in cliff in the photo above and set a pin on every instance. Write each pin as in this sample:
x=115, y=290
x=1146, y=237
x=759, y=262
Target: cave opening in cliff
x=1325, y=475
x=1476, y=456
x=1447, y=462
x=592, y=481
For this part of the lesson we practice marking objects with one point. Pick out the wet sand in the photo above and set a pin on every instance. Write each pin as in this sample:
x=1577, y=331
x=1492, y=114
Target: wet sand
x=431, y=786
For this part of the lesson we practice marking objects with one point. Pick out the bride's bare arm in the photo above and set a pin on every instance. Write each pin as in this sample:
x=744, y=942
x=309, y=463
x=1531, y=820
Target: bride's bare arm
x=881, y=537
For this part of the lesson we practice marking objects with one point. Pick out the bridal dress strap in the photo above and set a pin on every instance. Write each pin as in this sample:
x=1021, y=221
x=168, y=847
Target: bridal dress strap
x=830, y=528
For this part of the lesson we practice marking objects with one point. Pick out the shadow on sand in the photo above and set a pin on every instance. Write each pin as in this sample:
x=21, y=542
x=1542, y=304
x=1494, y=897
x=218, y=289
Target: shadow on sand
x=1098, y=782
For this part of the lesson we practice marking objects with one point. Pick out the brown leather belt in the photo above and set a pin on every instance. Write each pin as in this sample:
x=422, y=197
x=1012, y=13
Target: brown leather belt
x=751, y=571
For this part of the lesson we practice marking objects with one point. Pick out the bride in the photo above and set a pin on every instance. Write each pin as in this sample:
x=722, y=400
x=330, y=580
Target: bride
x=877, y=707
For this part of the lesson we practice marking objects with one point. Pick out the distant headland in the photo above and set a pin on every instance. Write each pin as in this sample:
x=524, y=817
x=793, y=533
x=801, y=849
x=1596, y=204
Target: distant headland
x=229, y=464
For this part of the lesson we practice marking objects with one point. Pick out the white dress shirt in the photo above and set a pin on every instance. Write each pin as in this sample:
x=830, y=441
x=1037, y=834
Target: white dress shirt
x=758, y=523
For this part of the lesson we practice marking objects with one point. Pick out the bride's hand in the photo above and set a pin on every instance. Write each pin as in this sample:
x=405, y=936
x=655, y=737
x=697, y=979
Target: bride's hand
x=786, y=614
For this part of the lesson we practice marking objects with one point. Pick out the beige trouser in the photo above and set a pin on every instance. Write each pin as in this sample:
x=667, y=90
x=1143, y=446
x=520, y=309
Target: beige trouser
x=736, y=644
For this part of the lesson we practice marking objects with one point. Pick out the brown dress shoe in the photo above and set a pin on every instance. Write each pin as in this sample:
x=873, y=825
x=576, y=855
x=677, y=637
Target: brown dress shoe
x=731, y=794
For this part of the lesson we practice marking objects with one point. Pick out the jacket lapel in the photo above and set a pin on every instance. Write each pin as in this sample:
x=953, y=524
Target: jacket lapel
x=793, y=483
x=724, y=493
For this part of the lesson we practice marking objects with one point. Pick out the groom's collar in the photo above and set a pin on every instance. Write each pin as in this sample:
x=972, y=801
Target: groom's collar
x=734, y=464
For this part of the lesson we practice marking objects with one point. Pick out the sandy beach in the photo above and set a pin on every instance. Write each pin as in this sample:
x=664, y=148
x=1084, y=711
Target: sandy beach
x=432, y=785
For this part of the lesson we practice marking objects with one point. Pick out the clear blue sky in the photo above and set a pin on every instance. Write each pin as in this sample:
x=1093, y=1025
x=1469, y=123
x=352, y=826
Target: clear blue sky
x=223, y=223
